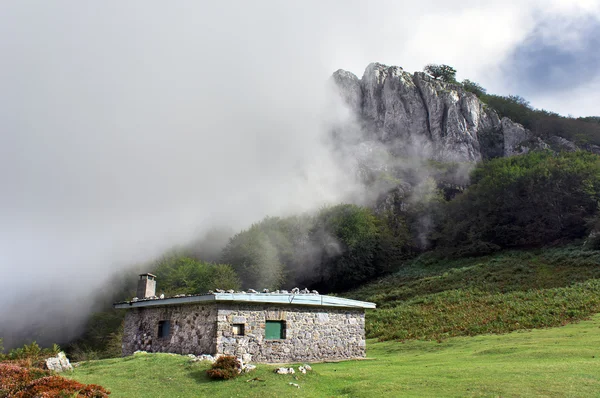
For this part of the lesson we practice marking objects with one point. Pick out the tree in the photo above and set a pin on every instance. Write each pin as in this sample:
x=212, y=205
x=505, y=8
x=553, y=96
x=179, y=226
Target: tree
x=347, y=238
x=445, y=73
x=185, y=275
x=255, y=255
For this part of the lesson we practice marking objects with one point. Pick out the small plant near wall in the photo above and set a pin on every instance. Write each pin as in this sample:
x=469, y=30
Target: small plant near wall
x=225, y=368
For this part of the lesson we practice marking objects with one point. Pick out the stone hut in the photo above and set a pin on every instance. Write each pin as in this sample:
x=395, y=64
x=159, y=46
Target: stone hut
x=280, y=326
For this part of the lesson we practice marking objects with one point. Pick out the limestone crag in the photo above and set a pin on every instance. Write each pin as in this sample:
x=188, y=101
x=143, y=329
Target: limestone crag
x=417, y=115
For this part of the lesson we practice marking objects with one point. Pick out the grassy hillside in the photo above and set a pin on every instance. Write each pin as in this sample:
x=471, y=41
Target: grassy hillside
x=553, y=362
x=433, y=298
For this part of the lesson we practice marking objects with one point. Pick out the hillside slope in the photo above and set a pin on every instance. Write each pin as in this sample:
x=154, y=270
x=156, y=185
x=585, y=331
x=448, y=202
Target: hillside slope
x=434, y=299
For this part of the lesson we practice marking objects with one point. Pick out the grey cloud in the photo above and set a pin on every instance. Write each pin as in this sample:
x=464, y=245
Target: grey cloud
x=548, y=62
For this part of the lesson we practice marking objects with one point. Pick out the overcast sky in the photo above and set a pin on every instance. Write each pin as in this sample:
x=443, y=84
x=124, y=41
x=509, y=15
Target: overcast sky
x=127, y=127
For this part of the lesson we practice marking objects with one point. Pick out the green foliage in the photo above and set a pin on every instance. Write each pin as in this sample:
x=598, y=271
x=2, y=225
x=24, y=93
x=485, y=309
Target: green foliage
x=433, y=298
x=225, y=368
x=33, y=351
x=347, y=236
x=97, y=340
x=513, y=107
x=590, y=119
x=185, y=275
x=30, y=355
x=445, y=73
x=474, y=88
x=544, y=123
x=257, y=254
x=523, y=201
x=335, y=249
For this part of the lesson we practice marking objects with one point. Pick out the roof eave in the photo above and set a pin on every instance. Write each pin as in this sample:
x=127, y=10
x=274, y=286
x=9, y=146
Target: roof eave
x=314, y=300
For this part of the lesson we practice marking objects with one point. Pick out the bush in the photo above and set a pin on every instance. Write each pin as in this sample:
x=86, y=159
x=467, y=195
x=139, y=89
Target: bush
x=474, y=88
x=30, y=355
x=21, y=382
x=225, y=368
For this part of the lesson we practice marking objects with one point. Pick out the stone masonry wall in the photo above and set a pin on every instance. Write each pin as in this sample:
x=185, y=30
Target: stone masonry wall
x=192, y=329
x=312, y=333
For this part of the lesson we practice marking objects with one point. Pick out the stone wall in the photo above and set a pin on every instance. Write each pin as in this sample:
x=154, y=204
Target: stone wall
x=192, y=329
x=312, y=333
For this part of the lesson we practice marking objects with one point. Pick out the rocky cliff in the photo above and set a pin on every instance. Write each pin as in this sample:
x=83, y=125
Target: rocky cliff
x=417, y=114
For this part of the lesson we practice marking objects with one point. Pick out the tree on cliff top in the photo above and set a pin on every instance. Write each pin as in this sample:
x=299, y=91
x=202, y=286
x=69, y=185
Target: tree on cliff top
x=445, y=73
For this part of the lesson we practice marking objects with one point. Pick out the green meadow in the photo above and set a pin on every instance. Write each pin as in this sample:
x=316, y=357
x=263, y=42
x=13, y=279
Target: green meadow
x=553, y=362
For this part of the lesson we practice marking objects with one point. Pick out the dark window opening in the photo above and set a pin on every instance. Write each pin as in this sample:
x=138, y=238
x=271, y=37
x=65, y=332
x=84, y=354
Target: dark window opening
x=275, y=330
x=164, y=328
x=238, y=329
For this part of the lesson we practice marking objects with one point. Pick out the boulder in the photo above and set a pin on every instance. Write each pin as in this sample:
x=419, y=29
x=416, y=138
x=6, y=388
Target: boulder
x=59, y=363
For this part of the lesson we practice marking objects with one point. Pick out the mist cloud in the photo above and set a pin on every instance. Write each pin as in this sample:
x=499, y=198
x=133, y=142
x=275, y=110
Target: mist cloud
x=132, y=127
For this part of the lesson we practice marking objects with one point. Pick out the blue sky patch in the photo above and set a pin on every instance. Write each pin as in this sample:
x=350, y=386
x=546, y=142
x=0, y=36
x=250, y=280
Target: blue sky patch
x=541, y=64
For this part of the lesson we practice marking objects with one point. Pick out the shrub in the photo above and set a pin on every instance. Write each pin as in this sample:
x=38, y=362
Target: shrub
x=20, y=382
x=225, y=368
x=30, y=355
x=53, y=386
x=473, y=87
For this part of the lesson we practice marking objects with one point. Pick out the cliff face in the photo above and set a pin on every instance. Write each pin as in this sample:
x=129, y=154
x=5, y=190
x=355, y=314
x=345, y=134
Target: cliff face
x=417, y=114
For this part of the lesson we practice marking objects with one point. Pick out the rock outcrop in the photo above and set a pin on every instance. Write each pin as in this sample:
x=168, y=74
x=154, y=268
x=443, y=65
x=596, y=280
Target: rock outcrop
x=415, y=114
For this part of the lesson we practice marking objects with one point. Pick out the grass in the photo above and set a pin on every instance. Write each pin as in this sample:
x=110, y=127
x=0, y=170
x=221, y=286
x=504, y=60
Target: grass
x=433, y=298
x=553, y=362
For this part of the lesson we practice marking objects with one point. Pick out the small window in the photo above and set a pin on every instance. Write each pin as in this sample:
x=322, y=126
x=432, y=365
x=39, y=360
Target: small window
x=275, y=330
x=164, y=328
x=238, y=329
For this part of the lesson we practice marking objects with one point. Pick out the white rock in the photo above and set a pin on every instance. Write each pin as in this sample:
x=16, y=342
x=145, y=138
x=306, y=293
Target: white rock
x=59, y=363
x=285, y=371
x=249, y=368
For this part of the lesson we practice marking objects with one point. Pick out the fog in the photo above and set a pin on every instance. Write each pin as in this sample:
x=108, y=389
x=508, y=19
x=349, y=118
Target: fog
x=128, y=128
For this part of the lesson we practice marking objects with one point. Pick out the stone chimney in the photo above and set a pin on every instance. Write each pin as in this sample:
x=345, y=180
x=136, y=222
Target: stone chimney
x=146, y=286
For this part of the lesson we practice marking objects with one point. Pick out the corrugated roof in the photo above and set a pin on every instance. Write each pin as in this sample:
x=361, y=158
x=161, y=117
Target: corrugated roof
x=309, y=299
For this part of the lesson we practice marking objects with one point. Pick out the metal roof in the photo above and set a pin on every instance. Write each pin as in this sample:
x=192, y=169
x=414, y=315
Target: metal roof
x=309, y=299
